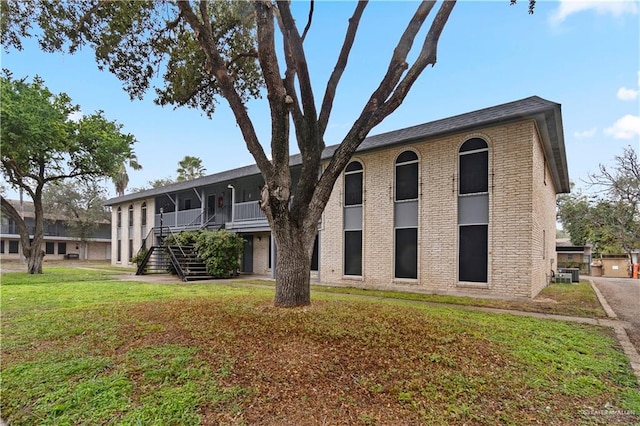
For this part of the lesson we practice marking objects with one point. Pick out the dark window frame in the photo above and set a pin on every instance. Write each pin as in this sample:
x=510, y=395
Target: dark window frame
x=62, y=247
x=473, y=238
x=119, y=217
x=407, y=165
x=473, y=254
x=405, y=253
x=49, y=247
x=130, y=217
x=353, y=250
x=354, y=178
x=143, y=214
x=14, y=247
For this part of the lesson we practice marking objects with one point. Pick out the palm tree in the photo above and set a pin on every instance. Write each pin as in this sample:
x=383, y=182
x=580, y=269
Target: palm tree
x=120, y=178
x=190, y=168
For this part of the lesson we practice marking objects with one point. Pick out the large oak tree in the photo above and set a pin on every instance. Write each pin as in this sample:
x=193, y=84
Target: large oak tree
x=42, y=143
x=206, y=49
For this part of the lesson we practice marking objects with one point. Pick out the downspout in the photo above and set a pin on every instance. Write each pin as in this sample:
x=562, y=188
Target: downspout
x=233, y=203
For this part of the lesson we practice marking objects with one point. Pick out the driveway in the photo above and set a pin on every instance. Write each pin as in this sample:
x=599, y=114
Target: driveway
x=623, y=295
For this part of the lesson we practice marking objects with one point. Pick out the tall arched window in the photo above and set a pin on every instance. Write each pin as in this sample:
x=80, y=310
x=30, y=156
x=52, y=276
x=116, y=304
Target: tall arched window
x=131, y=215
x=405, y=214
x=473, y=211
x=143, y=214
x=119, y=234
x=353, y=201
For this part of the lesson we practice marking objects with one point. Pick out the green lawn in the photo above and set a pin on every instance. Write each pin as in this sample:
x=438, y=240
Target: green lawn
x=80, y=347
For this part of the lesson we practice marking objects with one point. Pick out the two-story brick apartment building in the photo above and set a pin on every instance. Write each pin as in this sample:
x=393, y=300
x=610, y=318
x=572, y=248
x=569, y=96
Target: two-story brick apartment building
x=465, y=204
x=59, y=242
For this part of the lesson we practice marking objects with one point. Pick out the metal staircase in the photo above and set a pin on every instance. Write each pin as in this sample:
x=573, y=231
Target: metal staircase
x=187, y=264
x=183, y=260
x=179, y=259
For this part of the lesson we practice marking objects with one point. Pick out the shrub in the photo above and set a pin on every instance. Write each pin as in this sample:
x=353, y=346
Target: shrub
x=139, y=257
x=220, y=251
x=184, y=238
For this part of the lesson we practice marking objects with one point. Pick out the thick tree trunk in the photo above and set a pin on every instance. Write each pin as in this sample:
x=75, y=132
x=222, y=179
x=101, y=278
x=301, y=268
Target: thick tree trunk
x=293, y=268
x=34, y=261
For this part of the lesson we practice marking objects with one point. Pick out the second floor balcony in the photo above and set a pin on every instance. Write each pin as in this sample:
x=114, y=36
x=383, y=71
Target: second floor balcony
x=240, y=215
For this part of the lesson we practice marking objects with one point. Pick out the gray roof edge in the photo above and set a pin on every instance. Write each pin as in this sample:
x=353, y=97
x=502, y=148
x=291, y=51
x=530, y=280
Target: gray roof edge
x=530, y=107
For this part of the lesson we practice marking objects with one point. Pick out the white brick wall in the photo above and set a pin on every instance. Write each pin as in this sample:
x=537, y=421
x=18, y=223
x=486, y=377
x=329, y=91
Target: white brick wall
x=520, y=207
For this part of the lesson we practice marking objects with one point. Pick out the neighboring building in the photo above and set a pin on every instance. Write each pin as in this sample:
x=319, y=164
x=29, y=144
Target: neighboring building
x=570, y=256
x=615, y=265
x=460, y=205
x=58, y=243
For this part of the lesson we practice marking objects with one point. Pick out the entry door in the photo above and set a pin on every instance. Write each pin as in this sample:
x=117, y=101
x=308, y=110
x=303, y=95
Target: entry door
x=247, y=254
x=211, y=206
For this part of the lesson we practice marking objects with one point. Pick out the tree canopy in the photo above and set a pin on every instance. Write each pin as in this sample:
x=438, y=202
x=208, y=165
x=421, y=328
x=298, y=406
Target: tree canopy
x=190, y=168
x=42, y=143
x=81, y=203
x=610, y=219
x=200, y=51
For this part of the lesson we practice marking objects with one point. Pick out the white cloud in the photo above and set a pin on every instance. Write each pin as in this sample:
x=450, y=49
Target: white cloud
x=626, y=127
x=612, y=7
x=585, y=134
x=625, y=94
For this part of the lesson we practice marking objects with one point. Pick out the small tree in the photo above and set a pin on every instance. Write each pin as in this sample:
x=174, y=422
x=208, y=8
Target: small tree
x=609, y=220
x=40, y=144
x=120, y=178
x=80, y=202
x=189, y=168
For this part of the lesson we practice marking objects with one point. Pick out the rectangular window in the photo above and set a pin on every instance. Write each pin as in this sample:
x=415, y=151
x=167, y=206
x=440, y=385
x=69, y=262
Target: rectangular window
x=187, y=204
x=407, y=182
x=130, y=250
x=353, y=253
x=2, y=246
x=314, y=256
x=62, y=248
x=474, y=172
x=50, y=248
x=13, y=247
x=353, y=189
x=406, y=256
x=119, y=253
x=473, y=253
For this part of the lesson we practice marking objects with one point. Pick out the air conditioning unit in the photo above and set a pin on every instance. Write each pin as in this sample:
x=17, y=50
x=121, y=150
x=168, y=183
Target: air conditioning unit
x=563, y=277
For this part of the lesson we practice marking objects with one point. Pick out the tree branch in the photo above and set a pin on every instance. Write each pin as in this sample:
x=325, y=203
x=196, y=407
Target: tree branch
x=338, y=70
x=215, y=65
x=306, y=28
x=276, y=92
x=377, y=108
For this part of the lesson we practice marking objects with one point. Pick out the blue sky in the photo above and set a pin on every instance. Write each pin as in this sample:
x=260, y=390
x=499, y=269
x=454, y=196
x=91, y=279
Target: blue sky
x=583, y=55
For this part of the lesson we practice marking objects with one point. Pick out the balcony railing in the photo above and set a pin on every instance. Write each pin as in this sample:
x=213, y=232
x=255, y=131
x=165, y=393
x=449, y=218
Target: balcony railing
x=242, y=212
x=248, y=211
